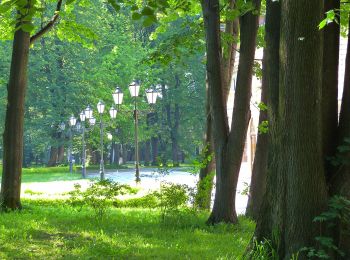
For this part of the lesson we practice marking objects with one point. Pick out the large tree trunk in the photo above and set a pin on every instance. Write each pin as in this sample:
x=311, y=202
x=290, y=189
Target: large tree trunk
x=301, y=120
x=228, y=146
x=229, y=54
x=340, y=181
x=206, y=174
x=13, y=134
x=117, y=154
x=154, y=142
x=268, y=216
x=224, y=209
x=330, y=85
x=60, y=156
x=300, y=172
x=259, y=172
x=53, y=157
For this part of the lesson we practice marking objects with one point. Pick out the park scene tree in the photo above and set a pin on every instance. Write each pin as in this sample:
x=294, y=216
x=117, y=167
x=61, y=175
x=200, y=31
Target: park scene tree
x=175, y=129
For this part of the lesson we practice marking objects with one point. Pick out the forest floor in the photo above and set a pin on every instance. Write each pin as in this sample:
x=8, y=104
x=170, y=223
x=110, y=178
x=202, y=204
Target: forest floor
x=54, y=230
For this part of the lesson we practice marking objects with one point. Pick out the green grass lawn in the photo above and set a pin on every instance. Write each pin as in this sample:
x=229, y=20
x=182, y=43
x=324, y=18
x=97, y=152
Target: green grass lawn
x=48, y=174
x=52, y=230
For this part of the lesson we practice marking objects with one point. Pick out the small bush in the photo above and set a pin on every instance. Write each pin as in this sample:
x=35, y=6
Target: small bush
x=30, y=192
x=148, y=201
x=171, y=197
x=338, y=213
x=98, y=196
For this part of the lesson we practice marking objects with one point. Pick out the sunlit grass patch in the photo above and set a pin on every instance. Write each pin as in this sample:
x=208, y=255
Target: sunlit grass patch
x=47, y=230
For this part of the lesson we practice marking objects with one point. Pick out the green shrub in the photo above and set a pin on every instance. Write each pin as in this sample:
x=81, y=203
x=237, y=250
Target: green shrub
x=171, y=197
x=30, y=192
x=338, y=213
x=99, y=195
x=147, y=201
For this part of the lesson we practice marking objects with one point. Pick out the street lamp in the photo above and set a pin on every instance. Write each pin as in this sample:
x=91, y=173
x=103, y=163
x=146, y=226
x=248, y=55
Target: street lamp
x=113, y=112
x=88, y=112
x=100, y=109
x=134, y=89
x=92, y=121
x=151, y=95
x=118, y=96
x=85, y=114
x=72, y=122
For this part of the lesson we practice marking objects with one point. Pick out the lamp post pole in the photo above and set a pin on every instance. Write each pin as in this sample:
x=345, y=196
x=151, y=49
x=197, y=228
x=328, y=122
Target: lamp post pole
x=83, y=168
x=102, y=168
x=100, y=109
x=137, y=166
x=72, y=122
x=70, y=151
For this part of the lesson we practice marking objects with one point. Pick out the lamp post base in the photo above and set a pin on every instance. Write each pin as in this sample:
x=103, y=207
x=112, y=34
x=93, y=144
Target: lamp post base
x=102, y=175
x=137, y=174
x=83, y=172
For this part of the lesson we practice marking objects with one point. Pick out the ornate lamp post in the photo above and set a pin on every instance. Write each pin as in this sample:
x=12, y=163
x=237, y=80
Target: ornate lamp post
x=72, y=122
x=151, y=95
x=100, y=109
x=134, y=89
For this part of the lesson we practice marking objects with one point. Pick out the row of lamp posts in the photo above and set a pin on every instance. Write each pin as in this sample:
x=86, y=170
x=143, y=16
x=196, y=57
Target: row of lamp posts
x=87, y=114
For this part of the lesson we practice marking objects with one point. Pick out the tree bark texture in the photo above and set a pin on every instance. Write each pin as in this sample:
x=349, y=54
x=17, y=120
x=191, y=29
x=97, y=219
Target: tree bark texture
x=53, y=157
x=301, y=120
x=299, y=173
x=13, y=134
x=60, y=156
x=117, y=148
x=330, y=85
x=340, y=179
x=229, y=53
x=268, y=216
x=206, y=176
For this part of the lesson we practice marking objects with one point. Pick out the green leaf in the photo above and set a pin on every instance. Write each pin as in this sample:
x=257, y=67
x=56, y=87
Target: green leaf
x=27, y=27
x=69, y=2
x=114, y=5
x=147, y=11
x=4, y=7
x=136, y=16
x=134, y=8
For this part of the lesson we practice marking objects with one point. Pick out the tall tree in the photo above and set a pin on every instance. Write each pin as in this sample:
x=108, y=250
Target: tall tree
x=228, y=57
x=13, y=134
x=228, y=145
x=298, y=171
x=259, y=171
x=329, y=99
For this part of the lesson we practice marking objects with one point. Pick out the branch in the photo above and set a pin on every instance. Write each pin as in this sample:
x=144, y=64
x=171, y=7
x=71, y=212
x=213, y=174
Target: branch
x=49, y=25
